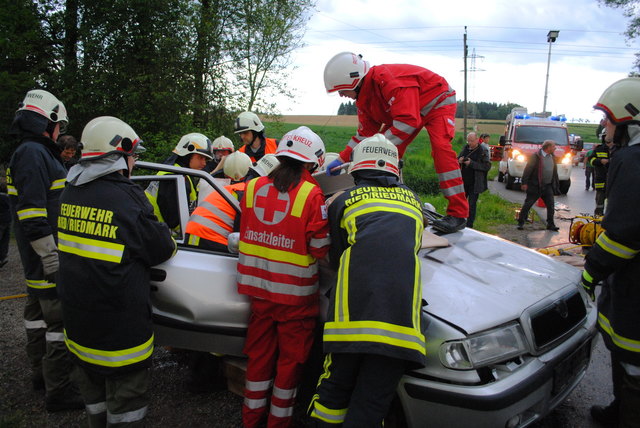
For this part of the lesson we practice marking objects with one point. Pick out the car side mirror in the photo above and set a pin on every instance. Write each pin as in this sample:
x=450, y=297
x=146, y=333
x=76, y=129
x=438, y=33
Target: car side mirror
x=502, y=140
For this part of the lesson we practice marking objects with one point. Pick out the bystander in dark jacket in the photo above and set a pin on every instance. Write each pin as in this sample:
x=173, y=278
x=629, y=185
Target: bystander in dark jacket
x=474, y=164
x=5, y=223
x=540, y=180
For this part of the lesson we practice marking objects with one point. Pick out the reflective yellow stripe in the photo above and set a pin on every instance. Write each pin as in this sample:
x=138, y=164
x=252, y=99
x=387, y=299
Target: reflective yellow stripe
x=31, y=213
x=90, y=248
x=276, y=255
x=331, y=416
x=587, y=276
x=57, y=184
x=119, y=358
x=11, y=190
x=374, y=331
x=301, y=199
x=248, y=196
x=615, y=248
x=599, y=185
x=620, y=341
x=40, y=284
x=194, y=240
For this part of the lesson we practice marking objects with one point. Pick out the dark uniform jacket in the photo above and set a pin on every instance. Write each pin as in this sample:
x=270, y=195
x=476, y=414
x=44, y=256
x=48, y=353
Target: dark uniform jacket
x=474, y=175
x=376, y=232
x=600, y=152
x=614, y=259
x=108, y=239
x=532, y=175
x=35, y=179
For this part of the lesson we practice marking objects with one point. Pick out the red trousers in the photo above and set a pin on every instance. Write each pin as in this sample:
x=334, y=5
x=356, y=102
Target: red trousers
x=278, y=343
x=440, y=125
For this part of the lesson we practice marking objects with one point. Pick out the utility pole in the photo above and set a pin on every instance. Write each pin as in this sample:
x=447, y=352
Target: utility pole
x=464, y=103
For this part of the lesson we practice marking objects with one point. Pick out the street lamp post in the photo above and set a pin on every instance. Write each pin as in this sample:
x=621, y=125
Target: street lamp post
x=551, y=37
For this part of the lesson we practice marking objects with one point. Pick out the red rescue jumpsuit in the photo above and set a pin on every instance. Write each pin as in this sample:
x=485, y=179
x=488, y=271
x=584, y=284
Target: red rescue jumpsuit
x=399, y=100
x=281, y=237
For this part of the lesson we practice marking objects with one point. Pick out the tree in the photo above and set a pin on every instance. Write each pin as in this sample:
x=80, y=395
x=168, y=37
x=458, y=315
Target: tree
x=265, y=34
x=631, y=9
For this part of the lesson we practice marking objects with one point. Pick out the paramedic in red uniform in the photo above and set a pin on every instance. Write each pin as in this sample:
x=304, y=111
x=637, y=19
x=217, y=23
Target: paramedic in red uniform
x=283, y=233
x=398, y=100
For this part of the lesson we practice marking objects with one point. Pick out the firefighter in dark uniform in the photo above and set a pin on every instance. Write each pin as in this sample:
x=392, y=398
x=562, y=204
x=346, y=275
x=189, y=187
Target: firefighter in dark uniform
x=599, y=159
x=35, y=179
x=373, y=330
x=615, y=259
x=109, y=238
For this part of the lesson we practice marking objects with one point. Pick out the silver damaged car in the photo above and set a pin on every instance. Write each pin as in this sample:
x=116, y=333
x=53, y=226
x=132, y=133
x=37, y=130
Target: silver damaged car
x=509, y=330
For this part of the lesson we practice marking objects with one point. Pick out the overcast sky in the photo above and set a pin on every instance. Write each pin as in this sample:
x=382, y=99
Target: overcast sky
x=508, y=39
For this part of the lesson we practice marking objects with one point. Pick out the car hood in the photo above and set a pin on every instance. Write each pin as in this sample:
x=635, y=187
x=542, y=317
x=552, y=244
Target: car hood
x=481, y=281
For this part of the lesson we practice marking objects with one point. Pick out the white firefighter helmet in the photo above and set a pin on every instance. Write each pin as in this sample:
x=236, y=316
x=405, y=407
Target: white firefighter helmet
x=248, y=121
x=222, y=143
x=620, y=102
x=375, y=153
x=302, y=144
x=328, y=158
x=45, y=104
x=266, y=164
x=106, y=135
x=344, y=72
x=194, y=143
x=236, y=165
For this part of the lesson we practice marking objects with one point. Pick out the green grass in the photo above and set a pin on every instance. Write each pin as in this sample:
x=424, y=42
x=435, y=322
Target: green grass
x=419, y=173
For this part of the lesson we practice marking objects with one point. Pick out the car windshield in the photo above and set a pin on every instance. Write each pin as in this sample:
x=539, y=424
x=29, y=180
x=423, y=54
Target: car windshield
x=538, y=134
x=587, y=146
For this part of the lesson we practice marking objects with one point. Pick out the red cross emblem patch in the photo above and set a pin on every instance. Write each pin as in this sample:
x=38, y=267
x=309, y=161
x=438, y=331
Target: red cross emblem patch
x=271, y=206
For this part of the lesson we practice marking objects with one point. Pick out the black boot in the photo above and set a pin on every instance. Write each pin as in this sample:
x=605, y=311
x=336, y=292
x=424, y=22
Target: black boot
x=607, y=416
x=449, y=224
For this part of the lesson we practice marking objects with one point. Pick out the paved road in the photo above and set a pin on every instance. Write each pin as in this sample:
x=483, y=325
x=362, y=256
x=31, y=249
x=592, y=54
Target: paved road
x=596, y=387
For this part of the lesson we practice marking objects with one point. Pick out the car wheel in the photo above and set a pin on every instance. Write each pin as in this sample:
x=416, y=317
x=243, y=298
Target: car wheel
x=501, y=177
x=510, y=181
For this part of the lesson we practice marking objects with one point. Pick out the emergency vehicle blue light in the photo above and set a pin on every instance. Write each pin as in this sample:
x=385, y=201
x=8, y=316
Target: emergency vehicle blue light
x=522, y=116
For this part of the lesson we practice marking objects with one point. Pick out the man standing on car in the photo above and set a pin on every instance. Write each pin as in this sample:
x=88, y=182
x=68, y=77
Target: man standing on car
x=615, y=259
x=373, y=331
x=35, y=179
x=475, y=163
x=540, y=180
x=109, y=238
x=402, y=99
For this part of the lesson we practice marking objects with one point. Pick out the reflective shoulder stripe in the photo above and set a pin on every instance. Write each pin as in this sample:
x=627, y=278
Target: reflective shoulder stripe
x=631, y=345
x=31, y=213
x=332, y=416
x=90, y=248
x=11, y=190
x=58, y=184
x=248, y=196
x=39, y=284
x=615, y=248
x=119, y=358
x=301, y=198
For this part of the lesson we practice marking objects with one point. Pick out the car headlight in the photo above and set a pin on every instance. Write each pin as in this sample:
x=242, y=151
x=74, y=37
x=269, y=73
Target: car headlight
x=520, y=158
x=500, y=344
x=566, y=159
x=515, y=153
